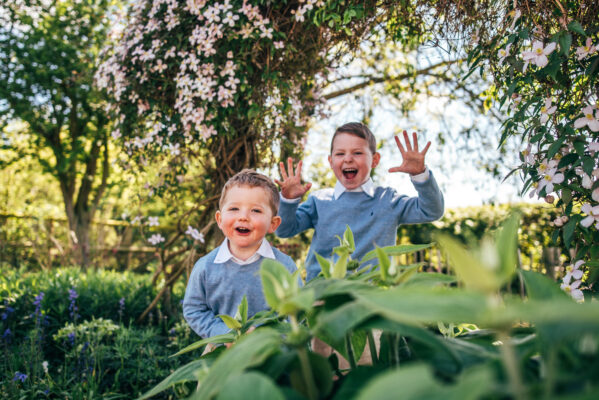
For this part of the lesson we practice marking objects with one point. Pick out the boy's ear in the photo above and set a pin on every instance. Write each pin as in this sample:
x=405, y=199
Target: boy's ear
x=274, y=224
x=218, y=217
x=330, y=161
x=376, y=158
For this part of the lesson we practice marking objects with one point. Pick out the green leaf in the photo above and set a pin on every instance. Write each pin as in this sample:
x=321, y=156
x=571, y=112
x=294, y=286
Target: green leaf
x=231, y=322
x=469, y=269
x=507, y=247
x=540, y=287
x=348, y=237
x=419, y=305
x=430, y=279
x=575, y=26
x=301, y=301
x=277, y=282
x=336, y=323
x=417, y=382
x=218, y=339
x=395, y=251
x=193, y=371
x=325, y=265
x=569, y=231
x=250, y=385
x=243, y=310
x=565, y=42
x=384, y=262
x=340, y=267
x=555, y=147
x=250, y=351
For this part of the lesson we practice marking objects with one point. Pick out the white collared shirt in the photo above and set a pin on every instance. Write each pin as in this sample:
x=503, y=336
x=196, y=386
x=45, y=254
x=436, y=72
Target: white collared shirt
x=224, y=254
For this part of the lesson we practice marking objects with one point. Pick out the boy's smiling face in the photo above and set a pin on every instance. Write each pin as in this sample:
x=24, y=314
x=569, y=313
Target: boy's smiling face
x=352, y=160
x=245, y=218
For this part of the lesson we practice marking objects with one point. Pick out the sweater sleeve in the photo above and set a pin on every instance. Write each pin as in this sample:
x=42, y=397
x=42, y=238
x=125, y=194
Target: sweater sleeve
x=296, y=218
x=196, y=310
x=428, y=206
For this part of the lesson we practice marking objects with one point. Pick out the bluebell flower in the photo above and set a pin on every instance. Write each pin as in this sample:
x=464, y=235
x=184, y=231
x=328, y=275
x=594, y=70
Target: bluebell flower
x=73, y=295
x=19, y=377
x=7, y=334
x=71, y=337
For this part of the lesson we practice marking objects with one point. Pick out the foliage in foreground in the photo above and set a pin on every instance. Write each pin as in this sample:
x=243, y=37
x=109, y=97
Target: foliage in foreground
x=442, y=336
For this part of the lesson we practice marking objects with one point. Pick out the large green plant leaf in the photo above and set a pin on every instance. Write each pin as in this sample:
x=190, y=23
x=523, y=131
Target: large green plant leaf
x=250, y=385
x=416, y=305
x=193, y=371
x=507, y=247
x=417, y=382
x=251, y=350
x=395, y=250
x=540, y=287
x=469, y=269
x=337, y=323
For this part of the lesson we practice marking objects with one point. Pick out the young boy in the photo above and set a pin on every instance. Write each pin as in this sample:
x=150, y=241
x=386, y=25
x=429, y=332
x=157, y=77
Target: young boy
x=219, y=280
x=372, y=212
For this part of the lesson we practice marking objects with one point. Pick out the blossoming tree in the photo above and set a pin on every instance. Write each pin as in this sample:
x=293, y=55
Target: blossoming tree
x=543, y=59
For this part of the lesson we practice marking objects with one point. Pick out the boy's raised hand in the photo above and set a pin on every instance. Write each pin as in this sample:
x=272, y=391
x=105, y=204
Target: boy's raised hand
x=413, y=160
x=291, y=183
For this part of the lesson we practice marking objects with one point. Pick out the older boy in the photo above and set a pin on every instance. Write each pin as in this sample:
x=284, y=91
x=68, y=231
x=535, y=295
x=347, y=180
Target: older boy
x=372, y=212
x=219, y=280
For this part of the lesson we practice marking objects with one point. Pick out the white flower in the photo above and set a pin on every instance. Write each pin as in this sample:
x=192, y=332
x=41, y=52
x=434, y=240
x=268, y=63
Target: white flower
x=560, y=221
x=592, y=215
x=572, y=289
x=547, y=110
x=155, y=239
x=503, y=53
x=538, y=54
x=529, y=158
x=515, y=16
x=194, y=233
x=588, y=119
x=551, y=177
x=574, y=271
x=153, y=221
x=584, y=51
x=45, y=367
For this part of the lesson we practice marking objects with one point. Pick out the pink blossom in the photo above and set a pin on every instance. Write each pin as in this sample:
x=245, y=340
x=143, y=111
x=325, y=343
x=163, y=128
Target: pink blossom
x=589, y=119
x=547, y=110
x=503, y=53
x=592, y=215
x=538, y=54
x=586, y=50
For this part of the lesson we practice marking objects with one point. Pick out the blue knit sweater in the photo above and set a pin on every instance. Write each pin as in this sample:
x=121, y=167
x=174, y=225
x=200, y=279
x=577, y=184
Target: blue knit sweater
x=373, y=220
x=215, y=289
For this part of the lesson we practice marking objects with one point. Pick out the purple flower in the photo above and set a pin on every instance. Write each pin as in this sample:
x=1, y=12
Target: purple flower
x=71, y=337
x=73, y=305
x=19, y=377
x=6, y=335
x=38, y=304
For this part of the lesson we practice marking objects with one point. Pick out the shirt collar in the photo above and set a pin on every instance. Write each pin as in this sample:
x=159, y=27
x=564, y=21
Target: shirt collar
x=367, y=187
x=224, y=254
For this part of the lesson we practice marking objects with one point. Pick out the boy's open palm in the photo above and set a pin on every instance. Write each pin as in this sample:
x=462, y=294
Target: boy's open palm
x=291, y=183
x=413, y=160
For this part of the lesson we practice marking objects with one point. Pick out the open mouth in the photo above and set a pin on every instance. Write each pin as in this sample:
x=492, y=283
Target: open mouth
x=350, y=173
x=242, y=230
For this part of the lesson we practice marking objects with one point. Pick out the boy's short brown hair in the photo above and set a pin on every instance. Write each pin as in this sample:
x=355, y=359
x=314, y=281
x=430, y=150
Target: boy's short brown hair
x=357, y=129
x=249, y=177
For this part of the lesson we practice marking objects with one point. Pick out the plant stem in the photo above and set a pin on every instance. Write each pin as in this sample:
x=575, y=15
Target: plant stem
x=304, y=363
x=372, y=347
x=350, y=351
x=512, y=368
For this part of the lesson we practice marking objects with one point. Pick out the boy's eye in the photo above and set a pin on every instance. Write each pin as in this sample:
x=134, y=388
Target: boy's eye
x=233, y=208
x=256, y=210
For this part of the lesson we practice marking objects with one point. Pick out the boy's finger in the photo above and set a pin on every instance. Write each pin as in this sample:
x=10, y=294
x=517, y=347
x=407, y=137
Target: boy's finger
x=415, y=140
x=401, y=149
x=396, y=169
x=298, y=169
x=408, y=144
x=283, y=172
x=290, y=166
x=426, y=148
